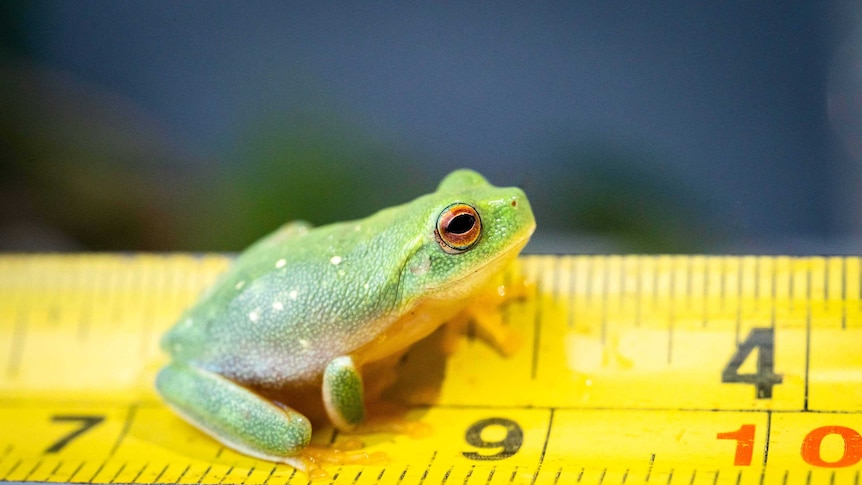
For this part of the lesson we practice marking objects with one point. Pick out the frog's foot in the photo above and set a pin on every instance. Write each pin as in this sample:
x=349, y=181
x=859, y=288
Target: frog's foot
x=333, y=456
x=313, y=458
x=484, y=312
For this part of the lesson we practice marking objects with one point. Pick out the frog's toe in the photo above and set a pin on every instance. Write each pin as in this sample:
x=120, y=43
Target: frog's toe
x=312, y=460
x=308, y=465
x=504, y=339
x=333, y=456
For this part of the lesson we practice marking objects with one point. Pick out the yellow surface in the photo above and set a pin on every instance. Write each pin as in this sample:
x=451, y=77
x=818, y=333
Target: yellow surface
x=619, y=378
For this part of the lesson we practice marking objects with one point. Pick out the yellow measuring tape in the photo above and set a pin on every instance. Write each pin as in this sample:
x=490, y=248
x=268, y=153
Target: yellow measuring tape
x=633, y=369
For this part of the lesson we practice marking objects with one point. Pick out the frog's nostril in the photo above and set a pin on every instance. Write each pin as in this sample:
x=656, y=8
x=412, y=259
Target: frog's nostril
x=514, y=202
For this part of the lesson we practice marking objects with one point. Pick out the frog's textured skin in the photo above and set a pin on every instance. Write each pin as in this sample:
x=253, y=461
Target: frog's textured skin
x=302, y=311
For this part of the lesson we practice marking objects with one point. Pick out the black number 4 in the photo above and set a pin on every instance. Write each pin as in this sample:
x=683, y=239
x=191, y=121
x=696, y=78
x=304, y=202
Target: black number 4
x=764, y=378
x=87, y=422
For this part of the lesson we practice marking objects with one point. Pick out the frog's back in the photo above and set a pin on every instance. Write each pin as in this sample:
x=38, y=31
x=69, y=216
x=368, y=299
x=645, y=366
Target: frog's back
x=291, y=303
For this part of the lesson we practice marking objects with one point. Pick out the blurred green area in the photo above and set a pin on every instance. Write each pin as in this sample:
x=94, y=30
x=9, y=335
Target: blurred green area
x=302, y=167
x=84, y=169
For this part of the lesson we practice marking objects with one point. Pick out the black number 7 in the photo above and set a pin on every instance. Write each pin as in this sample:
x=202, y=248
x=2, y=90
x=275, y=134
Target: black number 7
x=765, y=377
x=87, y=422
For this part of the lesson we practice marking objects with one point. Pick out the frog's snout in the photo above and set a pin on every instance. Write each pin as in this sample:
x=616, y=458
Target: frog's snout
x=521, y=212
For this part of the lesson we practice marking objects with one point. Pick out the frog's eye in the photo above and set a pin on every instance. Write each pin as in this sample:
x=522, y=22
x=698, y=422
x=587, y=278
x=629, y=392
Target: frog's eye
x=458, y=228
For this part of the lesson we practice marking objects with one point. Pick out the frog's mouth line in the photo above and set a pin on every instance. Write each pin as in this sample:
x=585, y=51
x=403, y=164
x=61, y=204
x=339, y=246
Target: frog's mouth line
x=496, y=262
x=440, y=303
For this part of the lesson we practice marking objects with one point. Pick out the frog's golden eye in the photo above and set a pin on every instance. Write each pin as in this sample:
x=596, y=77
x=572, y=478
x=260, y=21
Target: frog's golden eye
x=458, y=228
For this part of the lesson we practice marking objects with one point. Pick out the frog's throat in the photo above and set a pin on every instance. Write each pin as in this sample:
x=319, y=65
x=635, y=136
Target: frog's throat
x=421, y=317
x=468, y=284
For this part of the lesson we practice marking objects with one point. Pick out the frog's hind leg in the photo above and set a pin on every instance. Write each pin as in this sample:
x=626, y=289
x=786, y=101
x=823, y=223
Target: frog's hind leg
x=238, y=417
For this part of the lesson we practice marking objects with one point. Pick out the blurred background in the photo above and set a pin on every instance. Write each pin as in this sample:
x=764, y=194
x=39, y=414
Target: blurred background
x=652, y=127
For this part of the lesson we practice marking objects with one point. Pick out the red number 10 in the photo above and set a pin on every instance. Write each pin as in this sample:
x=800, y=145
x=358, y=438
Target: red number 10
x=744, y=437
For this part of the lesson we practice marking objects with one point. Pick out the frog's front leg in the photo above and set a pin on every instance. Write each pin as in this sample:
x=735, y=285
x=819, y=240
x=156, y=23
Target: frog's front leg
x=343, y=393
x=343, y=398
x=236, y=416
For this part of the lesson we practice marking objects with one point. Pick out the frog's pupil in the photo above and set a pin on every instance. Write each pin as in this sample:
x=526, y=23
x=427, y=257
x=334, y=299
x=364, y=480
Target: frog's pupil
x=461, y=224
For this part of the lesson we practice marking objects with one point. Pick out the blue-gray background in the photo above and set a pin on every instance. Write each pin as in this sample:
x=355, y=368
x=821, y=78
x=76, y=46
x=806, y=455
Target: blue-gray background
x=668, y=126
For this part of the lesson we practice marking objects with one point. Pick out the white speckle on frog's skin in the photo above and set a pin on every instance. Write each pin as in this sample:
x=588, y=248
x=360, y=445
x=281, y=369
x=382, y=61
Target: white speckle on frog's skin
x=303, y=343
x=240, y=285
x=292, y=295
x=280, y=263
x=421, y=268
x=188, y=322
x=366, y=286
x=254, y=316
x=277, y=306
x=336, y=260
x=357, y=227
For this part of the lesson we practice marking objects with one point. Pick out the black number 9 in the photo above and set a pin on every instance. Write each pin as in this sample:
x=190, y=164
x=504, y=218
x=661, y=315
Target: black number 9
x=508, y=445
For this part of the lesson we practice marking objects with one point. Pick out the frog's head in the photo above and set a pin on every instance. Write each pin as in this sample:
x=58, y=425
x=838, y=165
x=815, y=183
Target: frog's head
x=469, y=231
